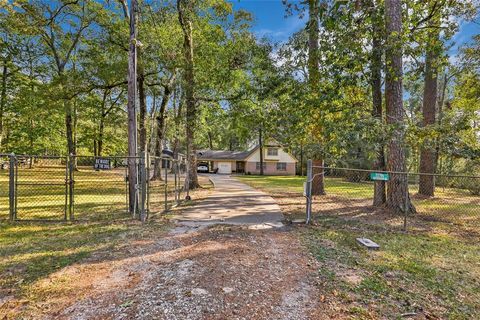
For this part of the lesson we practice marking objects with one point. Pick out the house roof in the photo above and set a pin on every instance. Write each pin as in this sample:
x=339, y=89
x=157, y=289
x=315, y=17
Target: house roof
x=222, y=155
x=234, y=155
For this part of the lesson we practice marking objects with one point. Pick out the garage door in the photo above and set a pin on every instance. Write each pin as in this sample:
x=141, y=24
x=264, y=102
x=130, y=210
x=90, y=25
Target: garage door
x=224, y=167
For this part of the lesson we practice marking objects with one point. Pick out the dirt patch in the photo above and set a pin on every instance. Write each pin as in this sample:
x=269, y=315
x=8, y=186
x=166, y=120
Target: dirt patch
x=220, y=272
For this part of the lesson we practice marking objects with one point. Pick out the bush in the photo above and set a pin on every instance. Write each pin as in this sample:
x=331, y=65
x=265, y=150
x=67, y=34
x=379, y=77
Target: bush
x=473, y=186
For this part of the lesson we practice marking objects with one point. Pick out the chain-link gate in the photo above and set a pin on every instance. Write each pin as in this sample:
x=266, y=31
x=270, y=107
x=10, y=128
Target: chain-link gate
x=40, y=187
x=86, y=188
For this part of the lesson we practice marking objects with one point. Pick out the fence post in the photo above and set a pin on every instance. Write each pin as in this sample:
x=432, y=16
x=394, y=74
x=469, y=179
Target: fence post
x=11, y=188
x=166, y=184
x=71, y=186
x=177, y=182
x=308, y=191
x=67, y=179
x=147, y=184
x=406, y=204
x=187, y=179
x=143, y=187
x=175, y=166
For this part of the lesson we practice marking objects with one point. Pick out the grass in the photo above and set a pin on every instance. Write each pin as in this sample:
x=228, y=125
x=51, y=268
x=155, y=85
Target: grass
x=422, y=273
x=432, y=270
x=32, y=251
x=450, y=207
x=98, y=195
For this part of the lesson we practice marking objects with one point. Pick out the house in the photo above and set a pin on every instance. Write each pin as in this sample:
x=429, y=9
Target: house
x=276, y=161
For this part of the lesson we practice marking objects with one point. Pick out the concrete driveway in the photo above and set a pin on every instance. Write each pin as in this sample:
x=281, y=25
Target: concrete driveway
x=233, y=202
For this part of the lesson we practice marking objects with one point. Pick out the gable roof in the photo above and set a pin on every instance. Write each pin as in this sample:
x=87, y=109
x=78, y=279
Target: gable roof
x=275, y=145
x=209, y=155
x=221, y=155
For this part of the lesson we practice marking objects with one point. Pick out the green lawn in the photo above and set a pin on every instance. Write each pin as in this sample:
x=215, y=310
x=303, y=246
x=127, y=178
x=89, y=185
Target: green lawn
x=435, y=273
x=450, y=206
x=99, y=195
x=294, y=184
x=275, y=183
x=433, y=269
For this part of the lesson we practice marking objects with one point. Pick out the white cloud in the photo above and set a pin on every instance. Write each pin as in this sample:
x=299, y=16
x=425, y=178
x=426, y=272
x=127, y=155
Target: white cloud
x=292, y=25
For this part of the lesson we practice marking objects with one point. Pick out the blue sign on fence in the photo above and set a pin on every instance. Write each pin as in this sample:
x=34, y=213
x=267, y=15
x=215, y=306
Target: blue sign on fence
x=377, y=176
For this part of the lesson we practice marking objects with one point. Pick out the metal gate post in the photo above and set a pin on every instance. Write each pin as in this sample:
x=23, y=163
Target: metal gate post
x=143, y=187
x=175, y=176
x=308, y=191
x=147, y=182
x=11, y=188
x=71, y=186
x=166, y=185
x=405, y=206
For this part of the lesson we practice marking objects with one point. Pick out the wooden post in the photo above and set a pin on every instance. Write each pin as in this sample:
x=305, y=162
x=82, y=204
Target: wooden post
x=308, y=191
x=11, y=188
x=166, y=184
x=131, y=110
x=71, y=186
x=260, y=145
x=143, y=187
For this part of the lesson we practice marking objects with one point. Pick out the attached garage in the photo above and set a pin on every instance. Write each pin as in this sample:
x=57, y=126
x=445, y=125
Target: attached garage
x=276, y=161
x=224, y=167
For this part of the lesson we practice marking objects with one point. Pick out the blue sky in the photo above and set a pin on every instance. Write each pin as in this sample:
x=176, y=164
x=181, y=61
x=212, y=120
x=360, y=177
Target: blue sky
x=270, y=22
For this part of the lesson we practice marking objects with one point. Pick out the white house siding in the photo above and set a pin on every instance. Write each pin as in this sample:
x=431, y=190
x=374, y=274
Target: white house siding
x=282, y=156
x=271, y=162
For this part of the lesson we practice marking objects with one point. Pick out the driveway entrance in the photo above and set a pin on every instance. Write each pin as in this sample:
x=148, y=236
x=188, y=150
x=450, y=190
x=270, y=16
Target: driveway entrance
x=233, y=202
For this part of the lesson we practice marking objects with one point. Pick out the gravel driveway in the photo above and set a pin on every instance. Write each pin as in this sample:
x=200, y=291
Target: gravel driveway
x=214, y=266
x=220, y=272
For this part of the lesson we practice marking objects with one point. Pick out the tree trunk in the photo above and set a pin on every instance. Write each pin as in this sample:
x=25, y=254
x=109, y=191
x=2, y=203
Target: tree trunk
x=184, y=12
x=318, y=187
x=441, y=104
x=101, y=126
x=68, y=116
x=69, y=127
x=398, y=199
x=178, y=118
x=101, y=130
x=75, y=126
x=143, y=112
x=157, y=169
x=3, y=99
x=210, y=139
x=379, y=196
x=426, y=185
x=132, y=121
x=301, y=159
x=260, y=145
x=31, y=139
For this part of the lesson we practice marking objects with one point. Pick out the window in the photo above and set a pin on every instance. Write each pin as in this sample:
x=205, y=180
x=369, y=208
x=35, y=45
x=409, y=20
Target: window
x=272, y=151
x=264, y=166
x=281, y=166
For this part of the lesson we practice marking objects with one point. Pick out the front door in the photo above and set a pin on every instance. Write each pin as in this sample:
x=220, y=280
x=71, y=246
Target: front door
x=240, y=167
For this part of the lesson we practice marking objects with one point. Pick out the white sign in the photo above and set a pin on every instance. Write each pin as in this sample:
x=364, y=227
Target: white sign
x=102, y=164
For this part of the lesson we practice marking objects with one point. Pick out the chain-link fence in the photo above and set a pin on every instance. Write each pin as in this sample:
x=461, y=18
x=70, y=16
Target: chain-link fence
x=85, y=187
x=166, y=183
x=399, y=199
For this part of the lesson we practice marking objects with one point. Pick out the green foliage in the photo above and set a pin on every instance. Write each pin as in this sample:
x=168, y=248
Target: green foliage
x=242, y=84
